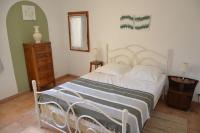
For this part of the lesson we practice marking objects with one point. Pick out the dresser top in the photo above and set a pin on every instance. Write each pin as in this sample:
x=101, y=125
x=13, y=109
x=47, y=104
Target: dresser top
x=33, y=43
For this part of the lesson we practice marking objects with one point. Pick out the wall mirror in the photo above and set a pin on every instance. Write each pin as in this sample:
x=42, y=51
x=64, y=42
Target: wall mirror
x=78, y=31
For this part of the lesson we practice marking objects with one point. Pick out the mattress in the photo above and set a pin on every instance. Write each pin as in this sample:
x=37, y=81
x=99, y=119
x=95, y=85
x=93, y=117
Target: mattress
x=155, y=88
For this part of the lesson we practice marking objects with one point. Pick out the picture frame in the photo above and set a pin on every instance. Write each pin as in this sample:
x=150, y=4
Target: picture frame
x=28, y=12
x=78, y=24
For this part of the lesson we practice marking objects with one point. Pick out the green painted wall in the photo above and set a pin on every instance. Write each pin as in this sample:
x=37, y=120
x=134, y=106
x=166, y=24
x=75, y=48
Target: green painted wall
x=20, y=31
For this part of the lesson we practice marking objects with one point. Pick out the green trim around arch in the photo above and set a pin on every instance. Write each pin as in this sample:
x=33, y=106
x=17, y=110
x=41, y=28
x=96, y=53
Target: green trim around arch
x=20, y=31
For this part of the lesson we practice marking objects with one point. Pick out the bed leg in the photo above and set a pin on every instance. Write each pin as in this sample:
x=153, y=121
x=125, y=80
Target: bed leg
x=124, y=120
x=164, y=90
x=163, y=95
x=36, y=102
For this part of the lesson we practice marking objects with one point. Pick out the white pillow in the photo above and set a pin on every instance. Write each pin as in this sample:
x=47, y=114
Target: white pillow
x=114, y=69
x=147, y=73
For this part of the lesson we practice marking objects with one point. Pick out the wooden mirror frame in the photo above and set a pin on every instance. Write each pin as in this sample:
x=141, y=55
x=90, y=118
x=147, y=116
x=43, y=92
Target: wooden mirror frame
x=80, y=13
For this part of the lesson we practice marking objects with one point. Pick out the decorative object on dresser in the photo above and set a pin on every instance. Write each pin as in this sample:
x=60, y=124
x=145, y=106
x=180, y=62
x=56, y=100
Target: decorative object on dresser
x=37, y=35
x=39, y=63
x=96, y=64
x=180, y=92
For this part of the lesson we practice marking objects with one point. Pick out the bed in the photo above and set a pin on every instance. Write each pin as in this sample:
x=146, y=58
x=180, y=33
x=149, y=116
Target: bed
x=108, y=100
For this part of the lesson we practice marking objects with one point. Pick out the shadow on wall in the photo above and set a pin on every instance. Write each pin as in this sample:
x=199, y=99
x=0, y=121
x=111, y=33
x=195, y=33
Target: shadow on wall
x=1, y=66
x=20, y=31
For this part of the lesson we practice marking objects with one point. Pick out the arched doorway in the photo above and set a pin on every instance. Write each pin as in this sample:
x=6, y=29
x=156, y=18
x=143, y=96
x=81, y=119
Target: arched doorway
x=20, y=31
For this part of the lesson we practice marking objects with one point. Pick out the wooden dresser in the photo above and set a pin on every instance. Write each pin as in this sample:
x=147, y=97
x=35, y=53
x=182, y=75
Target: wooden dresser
x=39, y=64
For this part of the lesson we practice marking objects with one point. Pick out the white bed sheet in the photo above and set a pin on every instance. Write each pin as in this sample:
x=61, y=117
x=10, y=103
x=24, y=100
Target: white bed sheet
x=155, y=88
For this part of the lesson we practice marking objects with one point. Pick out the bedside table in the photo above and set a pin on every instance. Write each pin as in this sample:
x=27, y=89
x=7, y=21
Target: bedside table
x=180, y=92
x=96, y=64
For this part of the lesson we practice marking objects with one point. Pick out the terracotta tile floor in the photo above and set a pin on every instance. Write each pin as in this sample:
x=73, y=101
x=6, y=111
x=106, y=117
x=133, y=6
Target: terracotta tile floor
x=192, y=116
x=18, y=114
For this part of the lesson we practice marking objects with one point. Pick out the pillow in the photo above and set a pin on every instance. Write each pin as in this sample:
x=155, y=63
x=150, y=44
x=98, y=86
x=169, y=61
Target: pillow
x=114, y=69
x=147, y=73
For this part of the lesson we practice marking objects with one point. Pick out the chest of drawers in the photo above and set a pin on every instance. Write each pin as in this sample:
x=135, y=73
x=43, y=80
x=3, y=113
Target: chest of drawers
x=39, y=63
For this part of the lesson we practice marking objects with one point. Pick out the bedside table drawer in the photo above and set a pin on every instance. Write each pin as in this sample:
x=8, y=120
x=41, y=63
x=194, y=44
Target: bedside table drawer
x=179, y=100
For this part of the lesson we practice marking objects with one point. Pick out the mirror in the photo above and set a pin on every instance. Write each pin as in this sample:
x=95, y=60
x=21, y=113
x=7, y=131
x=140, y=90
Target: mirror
x=78, y=31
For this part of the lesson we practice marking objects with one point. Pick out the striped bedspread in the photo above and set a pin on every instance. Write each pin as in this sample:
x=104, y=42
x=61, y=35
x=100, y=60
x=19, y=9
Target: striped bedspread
x=110, y=98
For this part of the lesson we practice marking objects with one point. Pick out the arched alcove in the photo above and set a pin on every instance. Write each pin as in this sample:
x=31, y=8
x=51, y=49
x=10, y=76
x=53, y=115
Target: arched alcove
x=20, y=31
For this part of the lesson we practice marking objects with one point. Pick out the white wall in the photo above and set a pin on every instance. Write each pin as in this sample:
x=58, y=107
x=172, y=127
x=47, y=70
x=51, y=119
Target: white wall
x=174, y=25
x=56, y=19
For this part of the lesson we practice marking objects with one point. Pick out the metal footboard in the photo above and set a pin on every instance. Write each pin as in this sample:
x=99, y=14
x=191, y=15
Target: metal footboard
x=69, y=115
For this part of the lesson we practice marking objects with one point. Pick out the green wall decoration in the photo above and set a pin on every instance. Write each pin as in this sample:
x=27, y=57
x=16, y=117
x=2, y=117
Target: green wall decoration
x=125, y=26
x=135, y=22
x=20, y=31
x=127, y=17
x=142, y=18
x=144, y=26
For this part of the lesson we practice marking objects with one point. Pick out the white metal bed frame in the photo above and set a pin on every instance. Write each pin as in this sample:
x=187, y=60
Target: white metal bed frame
x=133, y=58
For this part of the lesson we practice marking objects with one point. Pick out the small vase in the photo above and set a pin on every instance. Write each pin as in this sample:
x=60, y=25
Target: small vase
x=37, y=35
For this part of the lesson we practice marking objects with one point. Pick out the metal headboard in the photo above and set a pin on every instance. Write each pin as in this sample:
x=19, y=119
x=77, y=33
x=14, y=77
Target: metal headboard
x=138, y=55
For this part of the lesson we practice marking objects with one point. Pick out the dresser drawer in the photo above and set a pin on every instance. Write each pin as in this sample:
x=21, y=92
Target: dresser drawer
x=45, y=77
x=45, y=74
x=46, y=81
x=42, y=48
x=42, y=62
x=44, y=55
x=45, y=67
x=179, y=100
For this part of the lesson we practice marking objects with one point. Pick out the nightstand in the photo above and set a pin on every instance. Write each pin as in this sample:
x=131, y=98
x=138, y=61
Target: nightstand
x=180, y=92
x=96, y=64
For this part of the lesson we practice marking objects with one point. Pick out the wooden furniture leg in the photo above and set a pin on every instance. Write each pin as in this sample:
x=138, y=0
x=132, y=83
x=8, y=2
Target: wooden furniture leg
x=90, y=66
